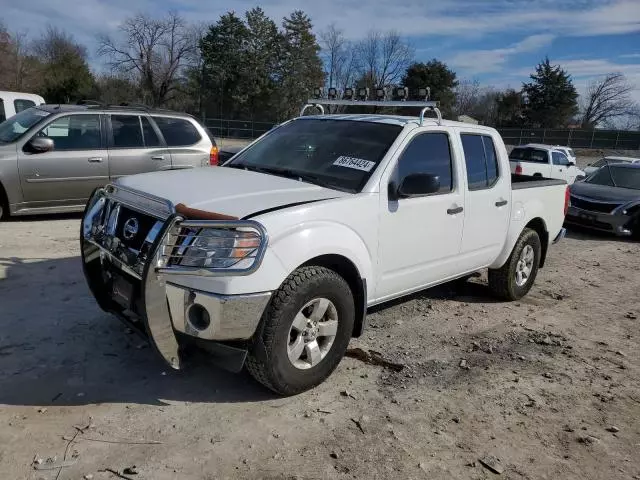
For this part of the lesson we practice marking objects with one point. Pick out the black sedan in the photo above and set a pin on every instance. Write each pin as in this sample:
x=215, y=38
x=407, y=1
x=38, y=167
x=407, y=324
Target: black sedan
x=608, y=200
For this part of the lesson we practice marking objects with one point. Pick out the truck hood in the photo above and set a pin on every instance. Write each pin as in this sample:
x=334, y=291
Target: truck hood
x=228, y=191
x=604, y=193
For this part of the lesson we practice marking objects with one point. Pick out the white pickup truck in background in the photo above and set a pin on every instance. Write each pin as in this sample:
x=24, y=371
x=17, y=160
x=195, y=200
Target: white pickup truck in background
x=272, y=260
x=544, y=161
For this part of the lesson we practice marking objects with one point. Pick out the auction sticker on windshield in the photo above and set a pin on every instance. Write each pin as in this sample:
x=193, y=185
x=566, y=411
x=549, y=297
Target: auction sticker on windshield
x=355, y=163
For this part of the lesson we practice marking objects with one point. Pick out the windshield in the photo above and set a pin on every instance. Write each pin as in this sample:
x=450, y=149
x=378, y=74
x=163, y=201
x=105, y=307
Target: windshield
x=14, y=127
x=338, y=154
x=614, y=176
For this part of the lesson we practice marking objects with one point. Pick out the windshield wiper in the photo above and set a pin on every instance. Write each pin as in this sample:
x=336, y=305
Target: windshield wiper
x=289, y=173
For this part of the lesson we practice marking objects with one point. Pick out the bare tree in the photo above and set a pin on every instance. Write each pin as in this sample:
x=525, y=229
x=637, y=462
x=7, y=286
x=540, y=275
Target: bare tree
x=467, y=97
x=334, y=49
x=383, y=58
x=607, y=99
x=155, y=50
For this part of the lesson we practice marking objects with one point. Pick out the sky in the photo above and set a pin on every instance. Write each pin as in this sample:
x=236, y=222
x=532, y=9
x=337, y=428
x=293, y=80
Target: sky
x=498, y=42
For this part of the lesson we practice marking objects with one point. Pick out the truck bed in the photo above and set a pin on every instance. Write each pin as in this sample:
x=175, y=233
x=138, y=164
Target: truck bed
x=518, y=182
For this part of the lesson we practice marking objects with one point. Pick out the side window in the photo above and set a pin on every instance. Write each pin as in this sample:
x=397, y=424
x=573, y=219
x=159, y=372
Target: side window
x=3, y=115
x=481, y=161
x=177, y=132
x=127, y=132
x=559, y=159
x=539, y=156
x=22, y=104
x=428, y=153
x=493, y=171
x=151, y=138
x=74, y=132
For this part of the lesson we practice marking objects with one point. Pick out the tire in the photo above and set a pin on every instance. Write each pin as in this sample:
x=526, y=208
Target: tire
x=4, y=205
x=503, y=281
x=271, y=365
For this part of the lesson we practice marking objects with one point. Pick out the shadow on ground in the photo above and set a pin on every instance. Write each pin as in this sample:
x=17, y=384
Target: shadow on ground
x=58, y=348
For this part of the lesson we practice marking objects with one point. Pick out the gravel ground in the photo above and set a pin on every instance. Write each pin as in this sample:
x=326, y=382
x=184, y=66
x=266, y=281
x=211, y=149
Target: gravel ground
x=549, y=386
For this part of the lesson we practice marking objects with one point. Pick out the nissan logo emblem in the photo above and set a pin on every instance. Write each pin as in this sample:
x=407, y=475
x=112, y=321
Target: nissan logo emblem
x=130, y=228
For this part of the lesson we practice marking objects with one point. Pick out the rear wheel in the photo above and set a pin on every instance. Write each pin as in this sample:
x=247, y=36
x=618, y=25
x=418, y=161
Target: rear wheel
x=306, y=331
x=4, y=205
x=515, y=278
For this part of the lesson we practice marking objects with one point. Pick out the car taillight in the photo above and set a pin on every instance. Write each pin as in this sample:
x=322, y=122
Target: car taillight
x=213, y=156
x=567, y=200
x=518, y=169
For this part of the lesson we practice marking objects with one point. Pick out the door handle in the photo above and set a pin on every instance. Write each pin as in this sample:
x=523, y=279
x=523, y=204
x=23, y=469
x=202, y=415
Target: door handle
x=453, y=211
x=501, y=203
x=157, y=157
x=94, y=159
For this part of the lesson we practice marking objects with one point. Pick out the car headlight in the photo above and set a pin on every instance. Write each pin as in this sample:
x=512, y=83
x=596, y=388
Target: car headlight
x=218, y=248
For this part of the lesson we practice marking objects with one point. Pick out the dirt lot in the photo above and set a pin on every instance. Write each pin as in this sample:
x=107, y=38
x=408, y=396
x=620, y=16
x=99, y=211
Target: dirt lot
x=549, y=385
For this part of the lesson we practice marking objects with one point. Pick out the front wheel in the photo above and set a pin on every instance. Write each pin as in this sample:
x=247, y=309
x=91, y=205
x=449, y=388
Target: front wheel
x=306, y=330
x=515, y=278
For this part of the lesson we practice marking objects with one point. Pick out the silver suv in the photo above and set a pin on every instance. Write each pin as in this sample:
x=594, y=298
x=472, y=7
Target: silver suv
x=53, y=156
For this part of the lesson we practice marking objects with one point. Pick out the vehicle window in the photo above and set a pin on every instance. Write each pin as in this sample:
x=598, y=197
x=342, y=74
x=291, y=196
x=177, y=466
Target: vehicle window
x=151, y=138
x=339, y=154
x=570, y=152
x=13, y=128
x=22, y=104
x=177, y=132
x=74, y=132
x=559, y=159
x=493, y=172
x=529, y=154
x=481, y=161
x=127, y=132
x=624, y=177
x=428, y=153
x=3, y=115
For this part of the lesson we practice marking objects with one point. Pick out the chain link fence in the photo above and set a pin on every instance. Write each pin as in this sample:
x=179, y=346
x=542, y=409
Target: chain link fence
x=573, y=137
x=245, y=129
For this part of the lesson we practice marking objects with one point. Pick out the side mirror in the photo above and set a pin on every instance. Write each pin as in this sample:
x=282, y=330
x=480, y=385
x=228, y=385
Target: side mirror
x=40, y=144
x=572, y=164
x=418, y=184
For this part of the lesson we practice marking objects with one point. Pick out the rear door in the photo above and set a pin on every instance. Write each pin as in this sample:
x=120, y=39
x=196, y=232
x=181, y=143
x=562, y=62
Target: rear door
x=135, y=146
x=487, y=201
x=188, y=147
x=561, y=168
x=69, y=173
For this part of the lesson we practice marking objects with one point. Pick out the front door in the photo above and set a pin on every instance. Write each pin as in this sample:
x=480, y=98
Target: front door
x=487, y=201
x=420, y=237
x=135, y=146
x=69, y=173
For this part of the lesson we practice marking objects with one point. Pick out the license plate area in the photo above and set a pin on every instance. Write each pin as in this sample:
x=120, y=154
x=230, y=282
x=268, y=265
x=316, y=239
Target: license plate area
x=122, y=292
x=586, y=217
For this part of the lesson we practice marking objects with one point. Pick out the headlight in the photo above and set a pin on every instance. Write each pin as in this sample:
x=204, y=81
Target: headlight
x=218, y=248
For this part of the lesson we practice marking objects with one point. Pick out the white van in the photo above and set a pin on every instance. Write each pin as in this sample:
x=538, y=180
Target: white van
x=14, y=102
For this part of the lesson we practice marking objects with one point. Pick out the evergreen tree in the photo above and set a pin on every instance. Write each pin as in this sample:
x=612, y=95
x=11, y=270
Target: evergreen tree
x=302, y=68
x=551, y=97
x=438, y=77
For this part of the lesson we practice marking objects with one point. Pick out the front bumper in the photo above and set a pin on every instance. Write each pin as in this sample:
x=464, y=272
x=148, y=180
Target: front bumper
x=137, y=286
x=604, y=222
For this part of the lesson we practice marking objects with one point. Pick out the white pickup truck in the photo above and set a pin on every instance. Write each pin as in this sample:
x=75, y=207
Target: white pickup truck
x=544, y=161
x=271, y=261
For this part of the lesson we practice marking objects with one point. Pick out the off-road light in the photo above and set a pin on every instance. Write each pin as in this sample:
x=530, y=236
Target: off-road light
x=348, y=94
x=363, y=93
x=424, y=93
x=317, y=93
x=380, y=93
x=400, y=93
x=333, y=93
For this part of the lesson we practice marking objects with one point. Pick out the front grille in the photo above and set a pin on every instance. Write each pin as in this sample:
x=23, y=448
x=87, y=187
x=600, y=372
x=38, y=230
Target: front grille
x=602, y=207
x=133, y=227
